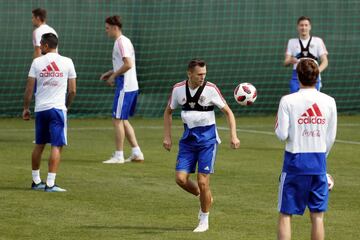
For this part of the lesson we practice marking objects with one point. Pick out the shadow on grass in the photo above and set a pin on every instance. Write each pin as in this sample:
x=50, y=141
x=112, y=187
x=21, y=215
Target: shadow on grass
x=139, y=229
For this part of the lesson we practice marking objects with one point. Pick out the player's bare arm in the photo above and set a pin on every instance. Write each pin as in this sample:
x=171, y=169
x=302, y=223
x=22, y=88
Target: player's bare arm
x=27, y=97
x=290, y=60
x=105, y=76
x=37, y=52
x=71, y=92
x=123, y=69
x=234, y=140
x=167, y=128
x=324, y=62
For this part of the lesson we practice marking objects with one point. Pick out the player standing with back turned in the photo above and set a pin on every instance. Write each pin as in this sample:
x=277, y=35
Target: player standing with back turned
x=55, y=90
x=307, y=121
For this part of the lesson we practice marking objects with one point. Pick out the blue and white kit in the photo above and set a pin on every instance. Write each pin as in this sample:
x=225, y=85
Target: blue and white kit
x=307, y=121
x=199, y=142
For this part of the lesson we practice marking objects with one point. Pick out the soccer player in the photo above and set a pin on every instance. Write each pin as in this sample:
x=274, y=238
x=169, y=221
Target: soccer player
x=123, y=76
x=307, y=121
x=39, y=22
x=55, y=90
x=306, y=46
x=200, y=140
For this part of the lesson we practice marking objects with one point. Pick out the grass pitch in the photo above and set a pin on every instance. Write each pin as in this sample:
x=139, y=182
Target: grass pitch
x=142, y=201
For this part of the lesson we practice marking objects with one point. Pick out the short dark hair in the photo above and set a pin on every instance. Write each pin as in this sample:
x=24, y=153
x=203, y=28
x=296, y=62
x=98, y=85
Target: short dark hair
x=194, y=63
x=302, y=18
x=40, y=13
x=114, y=20
x=50, y=39
x=308, y=72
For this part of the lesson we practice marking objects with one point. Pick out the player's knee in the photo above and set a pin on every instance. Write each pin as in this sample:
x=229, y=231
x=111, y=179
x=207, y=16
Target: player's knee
x=181, y=180
x=203, y=185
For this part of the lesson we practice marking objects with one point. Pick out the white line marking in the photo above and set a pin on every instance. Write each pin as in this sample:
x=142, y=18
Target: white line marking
x=222, y=128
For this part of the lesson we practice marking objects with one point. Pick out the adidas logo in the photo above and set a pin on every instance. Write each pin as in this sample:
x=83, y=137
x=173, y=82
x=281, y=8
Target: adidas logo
x=312, y=115
x=207, y=168
x=51, y=70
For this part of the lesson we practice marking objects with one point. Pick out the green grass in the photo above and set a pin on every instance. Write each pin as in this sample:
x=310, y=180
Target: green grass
x=142, y=201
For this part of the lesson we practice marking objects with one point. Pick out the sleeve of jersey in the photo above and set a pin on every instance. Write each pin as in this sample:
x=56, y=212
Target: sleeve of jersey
x=32, y=72
x=72, y=73
x=124, y=49
x=173, y=103
x=322, y=49
x=288, y=48
x=37, y=38
x=282, y=121
x=332, y=126
x=217, y=99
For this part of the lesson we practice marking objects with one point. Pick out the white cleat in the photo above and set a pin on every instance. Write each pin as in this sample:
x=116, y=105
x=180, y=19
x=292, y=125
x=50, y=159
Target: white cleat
x=136, y=158
x=115, y=160
x=202, y=227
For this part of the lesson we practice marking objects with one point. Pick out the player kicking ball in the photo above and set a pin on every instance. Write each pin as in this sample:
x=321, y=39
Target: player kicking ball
x=198, y=145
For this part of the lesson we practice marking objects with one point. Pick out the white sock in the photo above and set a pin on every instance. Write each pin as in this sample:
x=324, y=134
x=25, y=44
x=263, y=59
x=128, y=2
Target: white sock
x=204, y=216
x=36, y=176
x=119, y=154
x=50, y=181
x=136, y=150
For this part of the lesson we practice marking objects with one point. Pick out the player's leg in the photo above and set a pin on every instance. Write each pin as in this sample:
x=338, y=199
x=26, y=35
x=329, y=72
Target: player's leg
x=186, y=164
x=205, y=193
x=205, y=202
x=183, y=180
x=37, y=184
x=317, y=226
x=58, y=133
x=284, y=227
x=128, y=110
x=118, y=124
x=136, y=154
x=119, y=130
x=42, y=136
x=119, y=134
x=292, y=199
x=318, y=203
x=206, y=162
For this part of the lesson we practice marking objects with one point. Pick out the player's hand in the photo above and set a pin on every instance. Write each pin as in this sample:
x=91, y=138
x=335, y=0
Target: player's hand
x=111, y=81
x=167, y=143
x=294, y=60
x=235, y=143
x=105, y=76
x=331, y=182
x=26, y=114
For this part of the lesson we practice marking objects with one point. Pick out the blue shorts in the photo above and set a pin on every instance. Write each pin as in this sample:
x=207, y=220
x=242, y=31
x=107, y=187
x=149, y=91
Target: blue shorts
x=190, y=155
x=51, y=127
x=124, y=102
x=296, y=192
x=295, y=85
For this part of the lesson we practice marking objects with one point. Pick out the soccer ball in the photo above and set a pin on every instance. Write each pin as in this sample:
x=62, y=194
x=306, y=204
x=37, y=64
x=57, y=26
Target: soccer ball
x=245, y=94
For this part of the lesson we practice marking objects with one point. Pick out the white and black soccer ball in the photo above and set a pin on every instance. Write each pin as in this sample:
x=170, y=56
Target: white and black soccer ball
x=245, y=94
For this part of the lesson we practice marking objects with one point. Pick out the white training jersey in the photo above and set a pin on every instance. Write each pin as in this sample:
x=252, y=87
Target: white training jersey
x=202, y=124
x=307, y=121
x=38, y=32
x=123, y=48
x=51, y=72
x=316, y=48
